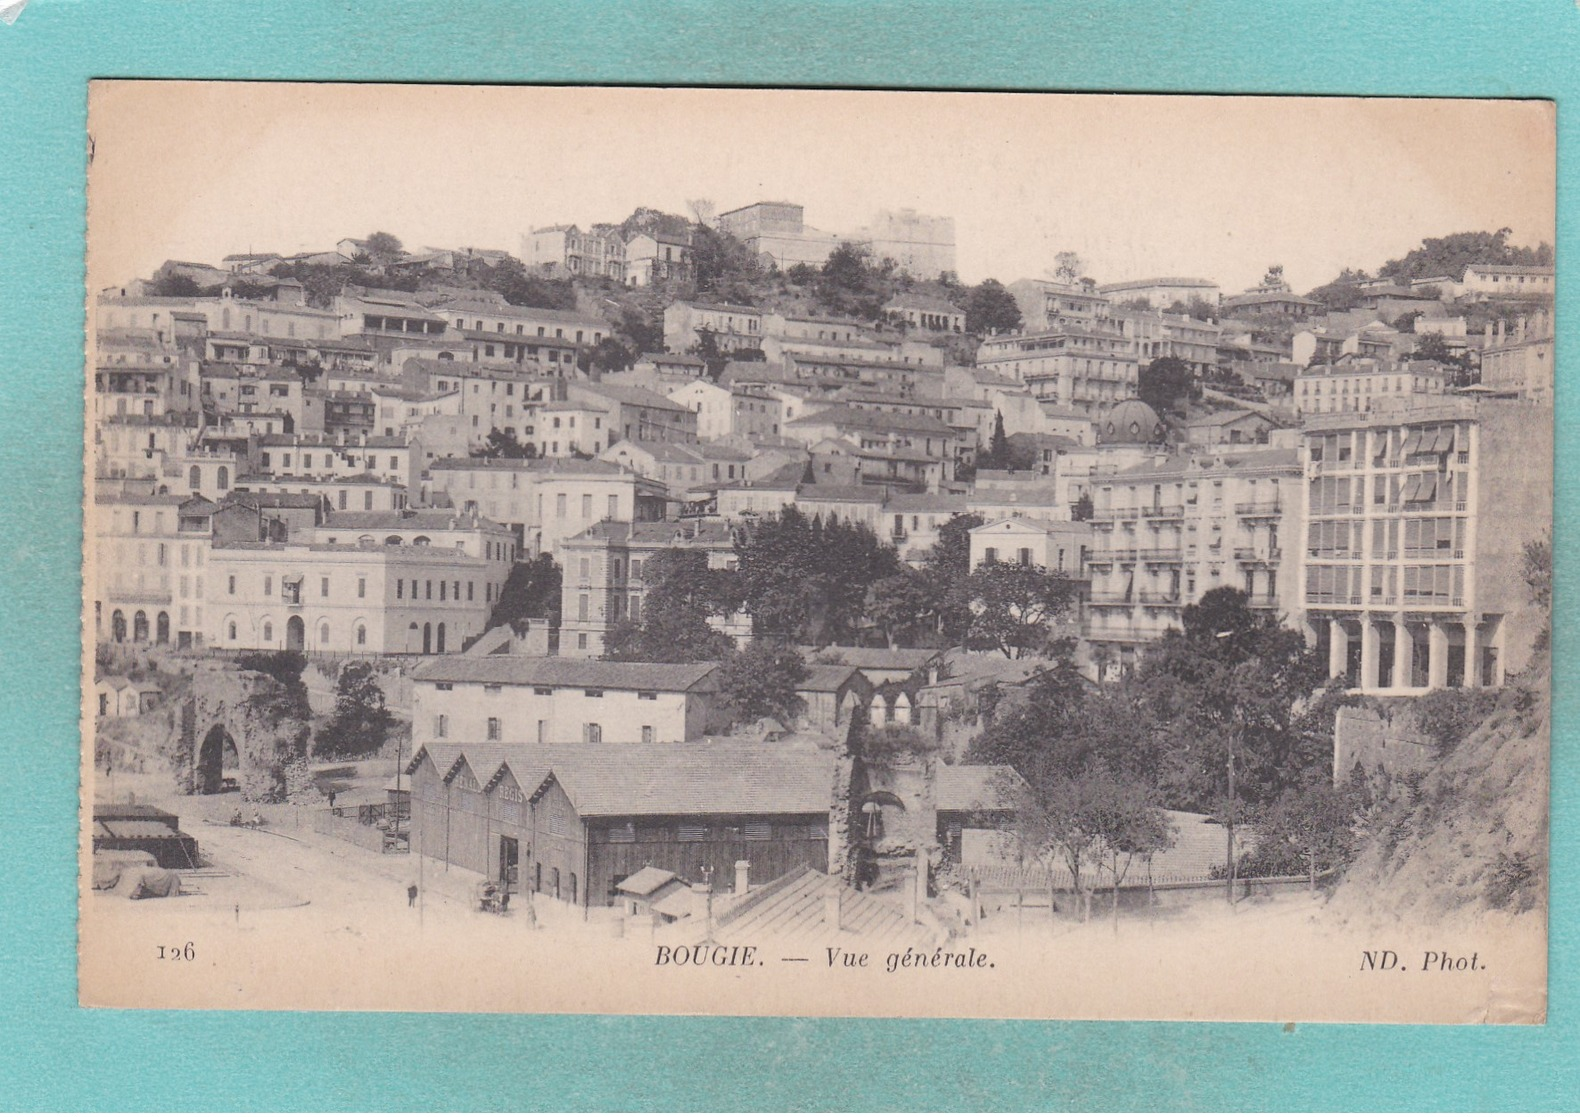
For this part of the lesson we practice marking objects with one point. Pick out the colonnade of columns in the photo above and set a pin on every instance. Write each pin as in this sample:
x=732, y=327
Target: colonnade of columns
x=1392, y=655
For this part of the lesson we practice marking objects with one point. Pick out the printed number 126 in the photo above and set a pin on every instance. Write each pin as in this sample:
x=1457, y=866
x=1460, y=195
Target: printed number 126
x=177, y=953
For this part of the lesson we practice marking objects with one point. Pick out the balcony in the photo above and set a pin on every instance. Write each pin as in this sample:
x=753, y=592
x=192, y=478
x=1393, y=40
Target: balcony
x=1253, y=555
x=1157, y=597
x=1259, y=508
x=1119, y=554
x=1161, y=554
x=1332, y=599
x=1105, y=600
x=1164, y=512
x=1262, y=601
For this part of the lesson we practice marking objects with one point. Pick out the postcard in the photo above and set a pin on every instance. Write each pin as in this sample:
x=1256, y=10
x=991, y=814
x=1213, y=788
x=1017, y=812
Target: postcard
x=837, y=553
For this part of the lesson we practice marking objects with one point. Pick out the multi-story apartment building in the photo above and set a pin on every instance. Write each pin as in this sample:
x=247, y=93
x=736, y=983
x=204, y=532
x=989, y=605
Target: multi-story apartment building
x=1414, y=525
x=1082, y=368
x=731, y=327
x=1046, y=305
x=545, y=502
x=504, y=322
x=654, y=257
x=142, y=446
x=637, y=413
x=1165, y=533
x=1360, y=384
x=134, y=551
x=1163, y=292
x=319, y=458
x=742, y=410
x=1520, y=360
x=1180, y=336
x=1058, y=546
x=604, y=577
x=600, y=251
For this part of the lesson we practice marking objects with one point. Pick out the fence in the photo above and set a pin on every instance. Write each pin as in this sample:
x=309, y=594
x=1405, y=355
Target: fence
x=369, y=825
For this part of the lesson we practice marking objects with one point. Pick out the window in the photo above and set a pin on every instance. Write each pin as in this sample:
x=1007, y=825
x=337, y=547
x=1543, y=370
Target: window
x=268, y=586
x=592, y=733
x=587, y=506
x=400, y=588
x=593, y=692
x=323, y=634
x=232, y=630
x=231, y=586
x=441, y=725
x=362, y=635
x=543, y=691
x=614, y=507
x=268, y=632
x=493, y=729
x=647, y=734
x=323, y=587
x=647, y=695
x=362, y=587
x=990, y=554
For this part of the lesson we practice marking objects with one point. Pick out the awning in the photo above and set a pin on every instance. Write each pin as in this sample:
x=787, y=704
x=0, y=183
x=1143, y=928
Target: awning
x=1412, y=444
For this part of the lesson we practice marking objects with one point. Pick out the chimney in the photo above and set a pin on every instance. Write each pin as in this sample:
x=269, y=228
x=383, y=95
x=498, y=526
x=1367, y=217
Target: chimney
x=832, y=898
x=742, y=877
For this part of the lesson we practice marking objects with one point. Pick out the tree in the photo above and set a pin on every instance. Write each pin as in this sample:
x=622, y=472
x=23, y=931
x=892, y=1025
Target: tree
x=608, y=355
x=1128, y=824
x=1163, y=382
x=851, y=283
x=998, y=452
x=384, y=248
x=1081, y=511
x=1432, y=347
x=761, y=680
x=902, y=605
x=1536, y=567
x=1229, y=688
x=361, y=720
x=1068, y=266
x=1314, y=823
x=805, y=580
x=947, y=567
x=683, y=592
x=502, y=444
x=723, y=266
x=990, y=308
x=1342, y=293
x=531, y=591
x=1015, y=606
x=174, y=285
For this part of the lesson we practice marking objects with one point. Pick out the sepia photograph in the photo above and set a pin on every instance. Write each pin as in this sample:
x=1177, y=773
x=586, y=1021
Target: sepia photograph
x=817, y=552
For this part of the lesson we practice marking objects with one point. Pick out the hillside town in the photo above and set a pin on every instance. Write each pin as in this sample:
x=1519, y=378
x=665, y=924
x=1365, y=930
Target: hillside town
x=732, y=577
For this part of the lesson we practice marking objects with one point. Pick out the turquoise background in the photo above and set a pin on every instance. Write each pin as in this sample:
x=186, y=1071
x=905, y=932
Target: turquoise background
x=54, y=1055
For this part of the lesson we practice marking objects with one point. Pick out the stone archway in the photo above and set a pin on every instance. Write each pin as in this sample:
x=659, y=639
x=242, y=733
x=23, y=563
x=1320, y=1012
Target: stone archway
x=254, y=714
x=209, y=765
x=295, y=634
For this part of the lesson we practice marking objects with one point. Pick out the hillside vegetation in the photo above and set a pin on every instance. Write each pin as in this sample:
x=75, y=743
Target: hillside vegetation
x=1469, y=836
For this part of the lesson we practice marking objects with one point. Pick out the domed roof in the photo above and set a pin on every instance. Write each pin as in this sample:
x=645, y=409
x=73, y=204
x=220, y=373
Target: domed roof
x=1130, y=420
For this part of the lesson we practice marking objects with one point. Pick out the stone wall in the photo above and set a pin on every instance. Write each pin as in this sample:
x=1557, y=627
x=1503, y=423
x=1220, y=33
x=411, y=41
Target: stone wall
x=1375, y=739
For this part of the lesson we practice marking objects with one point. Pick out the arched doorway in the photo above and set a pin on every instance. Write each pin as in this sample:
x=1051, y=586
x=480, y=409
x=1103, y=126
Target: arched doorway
x=118, y=627
x=438, y=646
x=140, y=627
x=295, y=634
x=427, y=639
x=162, y=628
x=215, y=754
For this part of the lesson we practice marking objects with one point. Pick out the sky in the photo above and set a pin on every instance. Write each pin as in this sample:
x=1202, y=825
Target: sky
x=1137, y=186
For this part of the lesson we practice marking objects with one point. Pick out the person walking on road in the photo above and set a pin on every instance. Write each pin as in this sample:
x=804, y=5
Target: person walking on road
x=411, y=895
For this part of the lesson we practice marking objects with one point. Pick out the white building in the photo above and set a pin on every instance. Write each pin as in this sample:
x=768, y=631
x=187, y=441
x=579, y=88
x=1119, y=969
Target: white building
x=521, y=699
